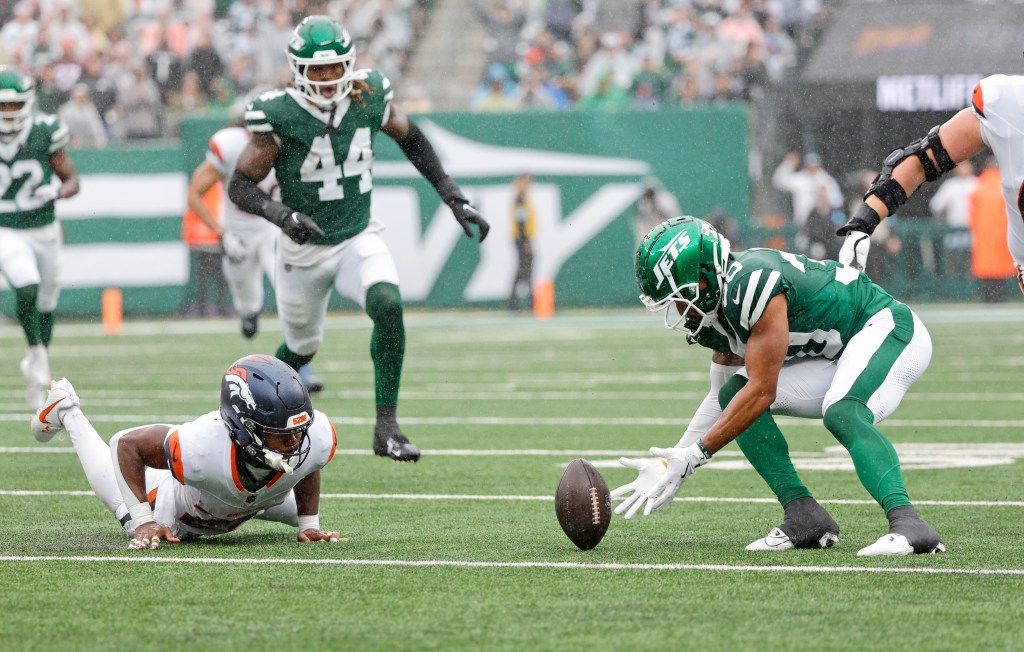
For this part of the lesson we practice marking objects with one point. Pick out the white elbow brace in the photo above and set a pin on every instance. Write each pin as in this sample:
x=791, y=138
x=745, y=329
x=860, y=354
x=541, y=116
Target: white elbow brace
x=709, y=410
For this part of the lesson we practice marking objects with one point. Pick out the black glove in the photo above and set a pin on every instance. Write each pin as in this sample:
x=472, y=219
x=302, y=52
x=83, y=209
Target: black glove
x=864, y=219
x=465, y=215
x=297, y=226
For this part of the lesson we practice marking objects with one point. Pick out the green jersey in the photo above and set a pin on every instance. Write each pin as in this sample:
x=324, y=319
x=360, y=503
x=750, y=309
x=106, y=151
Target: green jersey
x=828, y=302
x=324, y=170
x=24, y=167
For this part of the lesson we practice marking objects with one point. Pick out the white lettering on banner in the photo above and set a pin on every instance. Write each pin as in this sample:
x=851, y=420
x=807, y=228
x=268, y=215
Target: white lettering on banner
x=924, y=92
x=420, y=256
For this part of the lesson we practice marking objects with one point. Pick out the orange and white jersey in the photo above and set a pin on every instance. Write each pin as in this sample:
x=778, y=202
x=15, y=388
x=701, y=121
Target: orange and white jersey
x=223, y=151
x=999, y=105
x=203, y=493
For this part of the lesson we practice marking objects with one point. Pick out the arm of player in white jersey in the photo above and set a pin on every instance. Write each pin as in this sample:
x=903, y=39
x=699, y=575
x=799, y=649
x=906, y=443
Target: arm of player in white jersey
x=132, y=451
x=307, y=504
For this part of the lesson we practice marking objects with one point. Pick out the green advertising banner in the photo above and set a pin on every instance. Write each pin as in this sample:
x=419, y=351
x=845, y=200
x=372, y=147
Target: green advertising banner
x=123, y=230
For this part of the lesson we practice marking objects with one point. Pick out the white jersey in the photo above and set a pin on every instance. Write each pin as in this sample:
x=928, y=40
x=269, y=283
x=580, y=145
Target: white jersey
x=223, y=151
x=999, y=105
x=203, y=493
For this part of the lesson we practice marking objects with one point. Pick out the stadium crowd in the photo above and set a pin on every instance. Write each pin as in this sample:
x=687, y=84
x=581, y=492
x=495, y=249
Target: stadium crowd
x=118, y=71
x=640, y=54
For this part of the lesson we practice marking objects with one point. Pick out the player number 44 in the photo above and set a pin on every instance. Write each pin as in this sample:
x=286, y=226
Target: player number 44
x=322, y=168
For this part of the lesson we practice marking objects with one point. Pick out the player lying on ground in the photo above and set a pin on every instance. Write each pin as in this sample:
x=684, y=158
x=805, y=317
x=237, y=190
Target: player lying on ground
x=773, y=306
x=995, y=120
x=259, y=456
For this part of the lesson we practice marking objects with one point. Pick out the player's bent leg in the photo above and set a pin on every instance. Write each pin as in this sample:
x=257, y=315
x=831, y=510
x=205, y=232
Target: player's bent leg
x=310, y=379
x=286, y=512
x=62, y=412
x=767, y=451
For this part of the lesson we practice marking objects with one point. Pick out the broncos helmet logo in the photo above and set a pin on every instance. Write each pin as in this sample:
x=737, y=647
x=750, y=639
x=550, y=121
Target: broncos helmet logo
x=239, y=389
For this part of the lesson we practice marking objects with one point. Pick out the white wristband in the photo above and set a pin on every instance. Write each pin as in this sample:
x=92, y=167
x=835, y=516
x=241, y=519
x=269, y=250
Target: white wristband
x=310, y=522
x=141, y=513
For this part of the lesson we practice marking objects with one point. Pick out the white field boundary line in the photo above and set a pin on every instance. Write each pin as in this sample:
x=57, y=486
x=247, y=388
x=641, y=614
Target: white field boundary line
x=789, y=422
x=548, y=499
x=544, y=565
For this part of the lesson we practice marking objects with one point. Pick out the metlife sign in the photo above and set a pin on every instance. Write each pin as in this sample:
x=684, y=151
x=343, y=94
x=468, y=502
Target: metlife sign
x=924, y=92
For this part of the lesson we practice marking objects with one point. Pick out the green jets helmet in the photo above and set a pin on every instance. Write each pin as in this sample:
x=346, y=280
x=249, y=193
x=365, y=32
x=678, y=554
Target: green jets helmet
x=319, y=41
x=17, y=95
x=671, y=263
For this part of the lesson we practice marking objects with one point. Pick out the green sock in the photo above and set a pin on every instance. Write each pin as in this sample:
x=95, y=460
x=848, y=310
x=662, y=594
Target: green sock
x=877, y=464
x=46, y=327
x=766, y=449
x=387, y=344
x=289, y=357
x=28, y=315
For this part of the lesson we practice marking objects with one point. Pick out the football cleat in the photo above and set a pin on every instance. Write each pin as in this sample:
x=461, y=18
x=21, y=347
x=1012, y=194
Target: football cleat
x=250, y=324
x=909, y=534
x=777, y=541
x=48, y=421
x=309, y=377
x=388, y=441
x=35, y=367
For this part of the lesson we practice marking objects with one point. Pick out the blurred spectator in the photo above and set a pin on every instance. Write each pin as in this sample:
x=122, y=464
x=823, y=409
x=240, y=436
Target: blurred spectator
x=85, y=126
x=165, y=67
x=951, y=204
x=656, y=204
x=138, y=111
x=610, y=63
x=205, y=62
x=606, y=97
x=503, y=25
x=205, y=267
x=804, y=185
x=19, y=35
x=991, y=262
x=649, y=86
x=523, y=223
x=67, y=70
x=498, y=93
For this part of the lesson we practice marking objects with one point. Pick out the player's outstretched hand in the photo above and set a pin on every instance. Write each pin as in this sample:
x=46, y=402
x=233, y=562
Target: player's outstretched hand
x=649, y=473
x=149, y=535
x=854, y=252
x=313, y=534
x=465, y=215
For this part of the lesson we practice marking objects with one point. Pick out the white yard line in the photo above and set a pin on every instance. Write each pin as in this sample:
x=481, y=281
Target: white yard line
x=548, y=499
x=565, y=565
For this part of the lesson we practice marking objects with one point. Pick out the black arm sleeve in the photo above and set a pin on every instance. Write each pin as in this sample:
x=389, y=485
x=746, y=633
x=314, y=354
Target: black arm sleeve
x=421, y=154
x=245, y=194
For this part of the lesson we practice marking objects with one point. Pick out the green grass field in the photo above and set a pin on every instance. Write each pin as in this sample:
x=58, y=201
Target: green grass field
x=462, y=551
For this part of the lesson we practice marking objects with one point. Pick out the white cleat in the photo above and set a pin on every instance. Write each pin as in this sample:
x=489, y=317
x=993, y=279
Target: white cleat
x=35, y=367
x=776, y=541
x=48, y=421
x=893, y=545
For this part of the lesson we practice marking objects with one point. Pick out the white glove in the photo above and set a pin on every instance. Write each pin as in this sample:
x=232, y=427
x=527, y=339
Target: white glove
x=46, y=194
x=657, y=492
x=233, y=246
x=650, y=472
x=855, y=250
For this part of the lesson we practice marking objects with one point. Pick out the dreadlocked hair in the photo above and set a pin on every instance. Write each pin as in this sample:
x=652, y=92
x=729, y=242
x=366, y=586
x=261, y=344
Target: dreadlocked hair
x=359, y=87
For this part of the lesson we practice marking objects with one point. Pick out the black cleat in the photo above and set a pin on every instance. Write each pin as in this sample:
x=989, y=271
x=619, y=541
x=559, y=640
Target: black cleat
x=388, y=441
x=250, y=324
x=806, y=525
x=310, y=379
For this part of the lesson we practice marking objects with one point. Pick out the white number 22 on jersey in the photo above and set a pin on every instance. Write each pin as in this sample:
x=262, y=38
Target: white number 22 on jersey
x=321, y=167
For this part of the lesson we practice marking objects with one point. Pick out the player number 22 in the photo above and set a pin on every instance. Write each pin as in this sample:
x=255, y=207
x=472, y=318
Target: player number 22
x=321, y=167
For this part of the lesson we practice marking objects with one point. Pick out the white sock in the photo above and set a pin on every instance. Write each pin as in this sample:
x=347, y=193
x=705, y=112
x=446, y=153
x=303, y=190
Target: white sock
x=94, y=454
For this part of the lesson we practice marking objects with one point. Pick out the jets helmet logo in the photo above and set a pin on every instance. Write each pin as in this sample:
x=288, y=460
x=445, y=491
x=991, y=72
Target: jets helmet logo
x=239, y=389
x=669, y=254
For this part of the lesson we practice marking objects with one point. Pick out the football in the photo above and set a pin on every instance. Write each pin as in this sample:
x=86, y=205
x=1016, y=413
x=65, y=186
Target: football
x=583, y=504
